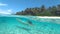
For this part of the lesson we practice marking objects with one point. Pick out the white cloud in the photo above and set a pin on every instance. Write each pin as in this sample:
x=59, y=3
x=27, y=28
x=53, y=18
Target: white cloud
x=5, y=11
x=3, y=4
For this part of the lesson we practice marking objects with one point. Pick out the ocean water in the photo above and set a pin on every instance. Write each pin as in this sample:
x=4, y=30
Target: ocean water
x=13, y=24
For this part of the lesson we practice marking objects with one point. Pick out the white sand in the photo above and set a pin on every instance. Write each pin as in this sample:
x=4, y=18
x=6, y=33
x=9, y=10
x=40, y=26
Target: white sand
x=53, y=17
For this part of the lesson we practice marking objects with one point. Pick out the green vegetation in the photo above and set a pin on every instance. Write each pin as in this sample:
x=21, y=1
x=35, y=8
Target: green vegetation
x=41, y=11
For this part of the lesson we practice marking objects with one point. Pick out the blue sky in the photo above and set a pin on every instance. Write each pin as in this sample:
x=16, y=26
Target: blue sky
x=12, y=6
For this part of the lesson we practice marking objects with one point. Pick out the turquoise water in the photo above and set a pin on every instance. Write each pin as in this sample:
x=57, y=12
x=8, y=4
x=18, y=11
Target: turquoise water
x=12, y=24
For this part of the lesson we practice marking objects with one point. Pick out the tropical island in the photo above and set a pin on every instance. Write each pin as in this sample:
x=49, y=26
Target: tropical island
x=41, y=11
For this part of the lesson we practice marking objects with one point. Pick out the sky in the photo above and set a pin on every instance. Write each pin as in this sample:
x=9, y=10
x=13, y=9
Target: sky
x=12, y=6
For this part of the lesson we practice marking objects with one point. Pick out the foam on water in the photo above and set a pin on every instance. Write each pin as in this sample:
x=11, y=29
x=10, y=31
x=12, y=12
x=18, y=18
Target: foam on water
x=13, y=24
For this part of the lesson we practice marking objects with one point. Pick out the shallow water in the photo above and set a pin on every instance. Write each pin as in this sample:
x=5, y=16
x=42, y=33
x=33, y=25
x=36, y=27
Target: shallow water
x=12, y=24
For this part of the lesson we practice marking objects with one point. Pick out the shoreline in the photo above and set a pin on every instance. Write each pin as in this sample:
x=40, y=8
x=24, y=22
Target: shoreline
x=30, y=16
x=48, y=17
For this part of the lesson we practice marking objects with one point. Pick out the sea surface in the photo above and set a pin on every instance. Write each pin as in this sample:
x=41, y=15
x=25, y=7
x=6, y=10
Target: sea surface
x=14, y=24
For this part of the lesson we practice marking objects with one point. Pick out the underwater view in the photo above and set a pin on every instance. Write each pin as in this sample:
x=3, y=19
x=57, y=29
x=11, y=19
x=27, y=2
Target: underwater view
x=14, y=24
x=29, y=16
